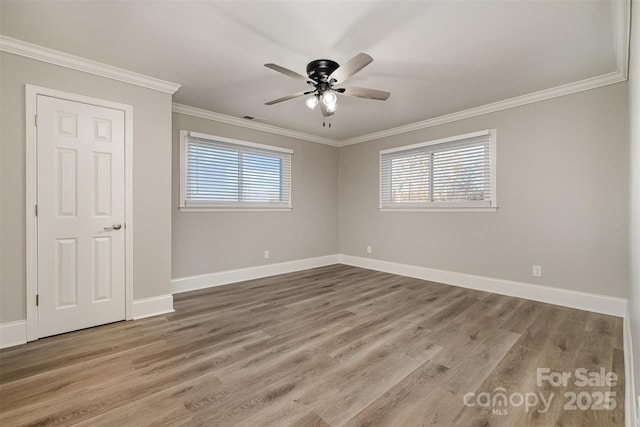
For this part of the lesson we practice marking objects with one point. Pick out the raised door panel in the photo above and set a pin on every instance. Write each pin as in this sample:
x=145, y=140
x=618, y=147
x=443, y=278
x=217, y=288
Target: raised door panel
x=81, y=269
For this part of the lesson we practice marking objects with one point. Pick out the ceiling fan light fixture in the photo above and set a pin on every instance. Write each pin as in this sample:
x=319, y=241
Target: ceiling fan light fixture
x=312, y=102
x=329, y=99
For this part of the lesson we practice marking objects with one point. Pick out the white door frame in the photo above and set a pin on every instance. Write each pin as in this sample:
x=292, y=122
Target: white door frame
x=31, y=94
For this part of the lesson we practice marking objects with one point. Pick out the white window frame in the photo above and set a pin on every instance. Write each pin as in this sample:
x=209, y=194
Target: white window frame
x=225, y=207
x=445, y=206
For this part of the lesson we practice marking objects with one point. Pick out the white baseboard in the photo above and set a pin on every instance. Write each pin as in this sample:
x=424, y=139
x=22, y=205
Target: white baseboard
x=202, y=281
x=630, y=402
x=13, y=333
x=567, y=298
x=153, y=306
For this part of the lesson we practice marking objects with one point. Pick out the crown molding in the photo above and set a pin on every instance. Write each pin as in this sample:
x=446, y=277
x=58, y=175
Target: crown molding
x=567, y=89
x=223, y=118
x=622, y=28
x=543, y=95
x=51, y=56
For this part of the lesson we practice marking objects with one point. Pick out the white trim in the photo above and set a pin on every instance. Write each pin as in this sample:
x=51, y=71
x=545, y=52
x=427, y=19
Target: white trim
x=215, y=138
x=622, y=21
x=543, y=95
x=223, y=118
x=631, y=404
x=468, y=206
x=13, y=333
x=493, y=169
x=530, y=98
x=235, y=209
x=31, y=221
x=439, y=141
x=596, y=303
x=285, y=155
x=203, y=281
x=183, y=170
x=621, y=18
x=51, y=56
x=153, y=306
x=488, y=209
x=567, y=298
x=128, y=211
x=31, y=93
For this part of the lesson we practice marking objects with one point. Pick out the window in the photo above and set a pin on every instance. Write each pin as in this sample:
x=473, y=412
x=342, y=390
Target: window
x=456, y=173
x=226, y=174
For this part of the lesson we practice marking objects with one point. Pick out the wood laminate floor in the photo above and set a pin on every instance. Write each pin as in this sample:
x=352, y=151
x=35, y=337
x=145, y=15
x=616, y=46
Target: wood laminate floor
x=332, y=346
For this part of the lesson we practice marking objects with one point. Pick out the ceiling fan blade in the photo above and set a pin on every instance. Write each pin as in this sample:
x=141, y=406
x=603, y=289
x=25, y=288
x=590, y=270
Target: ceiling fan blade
x=288, y=97
x=350, y=67
x=363, y=92
x=286, y=72
x=325, y=112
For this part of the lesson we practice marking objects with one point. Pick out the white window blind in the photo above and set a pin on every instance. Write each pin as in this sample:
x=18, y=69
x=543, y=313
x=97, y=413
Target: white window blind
x=223, y=173
x=454, y=172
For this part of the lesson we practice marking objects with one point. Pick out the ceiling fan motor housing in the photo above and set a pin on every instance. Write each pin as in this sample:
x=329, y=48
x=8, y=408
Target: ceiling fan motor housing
x=320, y=69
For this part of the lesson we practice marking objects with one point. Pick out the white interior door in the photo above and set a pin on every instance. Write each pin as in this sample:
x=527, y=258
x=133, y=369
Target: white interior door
x=81, y=212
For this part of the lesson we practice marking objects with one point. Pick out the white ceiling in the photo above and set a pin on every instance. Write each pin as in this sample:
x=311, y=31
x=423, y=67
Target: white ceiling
x=435, y=57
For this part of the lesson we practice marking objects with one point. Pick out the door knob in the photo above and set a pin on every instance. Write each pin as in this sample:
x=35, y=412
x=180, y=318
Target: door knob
x=116, y=226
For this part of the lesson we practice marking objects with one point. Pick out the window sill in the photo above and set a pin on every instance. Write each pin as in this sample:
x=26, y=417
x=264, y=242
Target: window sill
x=443, y=209
x=214, y=209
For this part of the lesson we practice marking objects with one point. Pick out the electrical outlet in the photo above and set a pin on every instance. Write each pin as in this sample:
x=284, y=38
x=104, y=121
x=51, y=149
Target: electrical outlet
x=266, y=254
x=368, y=249
x=537, y=271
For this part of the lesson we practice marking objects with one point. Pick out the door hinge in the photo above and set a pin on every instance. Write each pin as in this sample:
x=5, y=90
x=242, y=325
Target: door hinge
x=35, y=120
x=36, y=210
x=37, y=299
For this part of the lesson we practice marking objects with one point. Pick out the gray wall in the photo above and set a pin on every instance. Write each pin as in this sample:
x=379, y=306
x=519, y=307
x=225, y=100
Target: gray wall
x=634, y=239
x=209, y=242
x=563, y=186
x=562, y=190
x=151, y=177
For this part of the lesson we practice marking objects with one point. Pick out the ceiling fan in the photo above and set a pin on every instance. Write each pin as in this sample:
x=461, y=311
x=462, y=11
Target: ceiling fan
x=323, y=75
